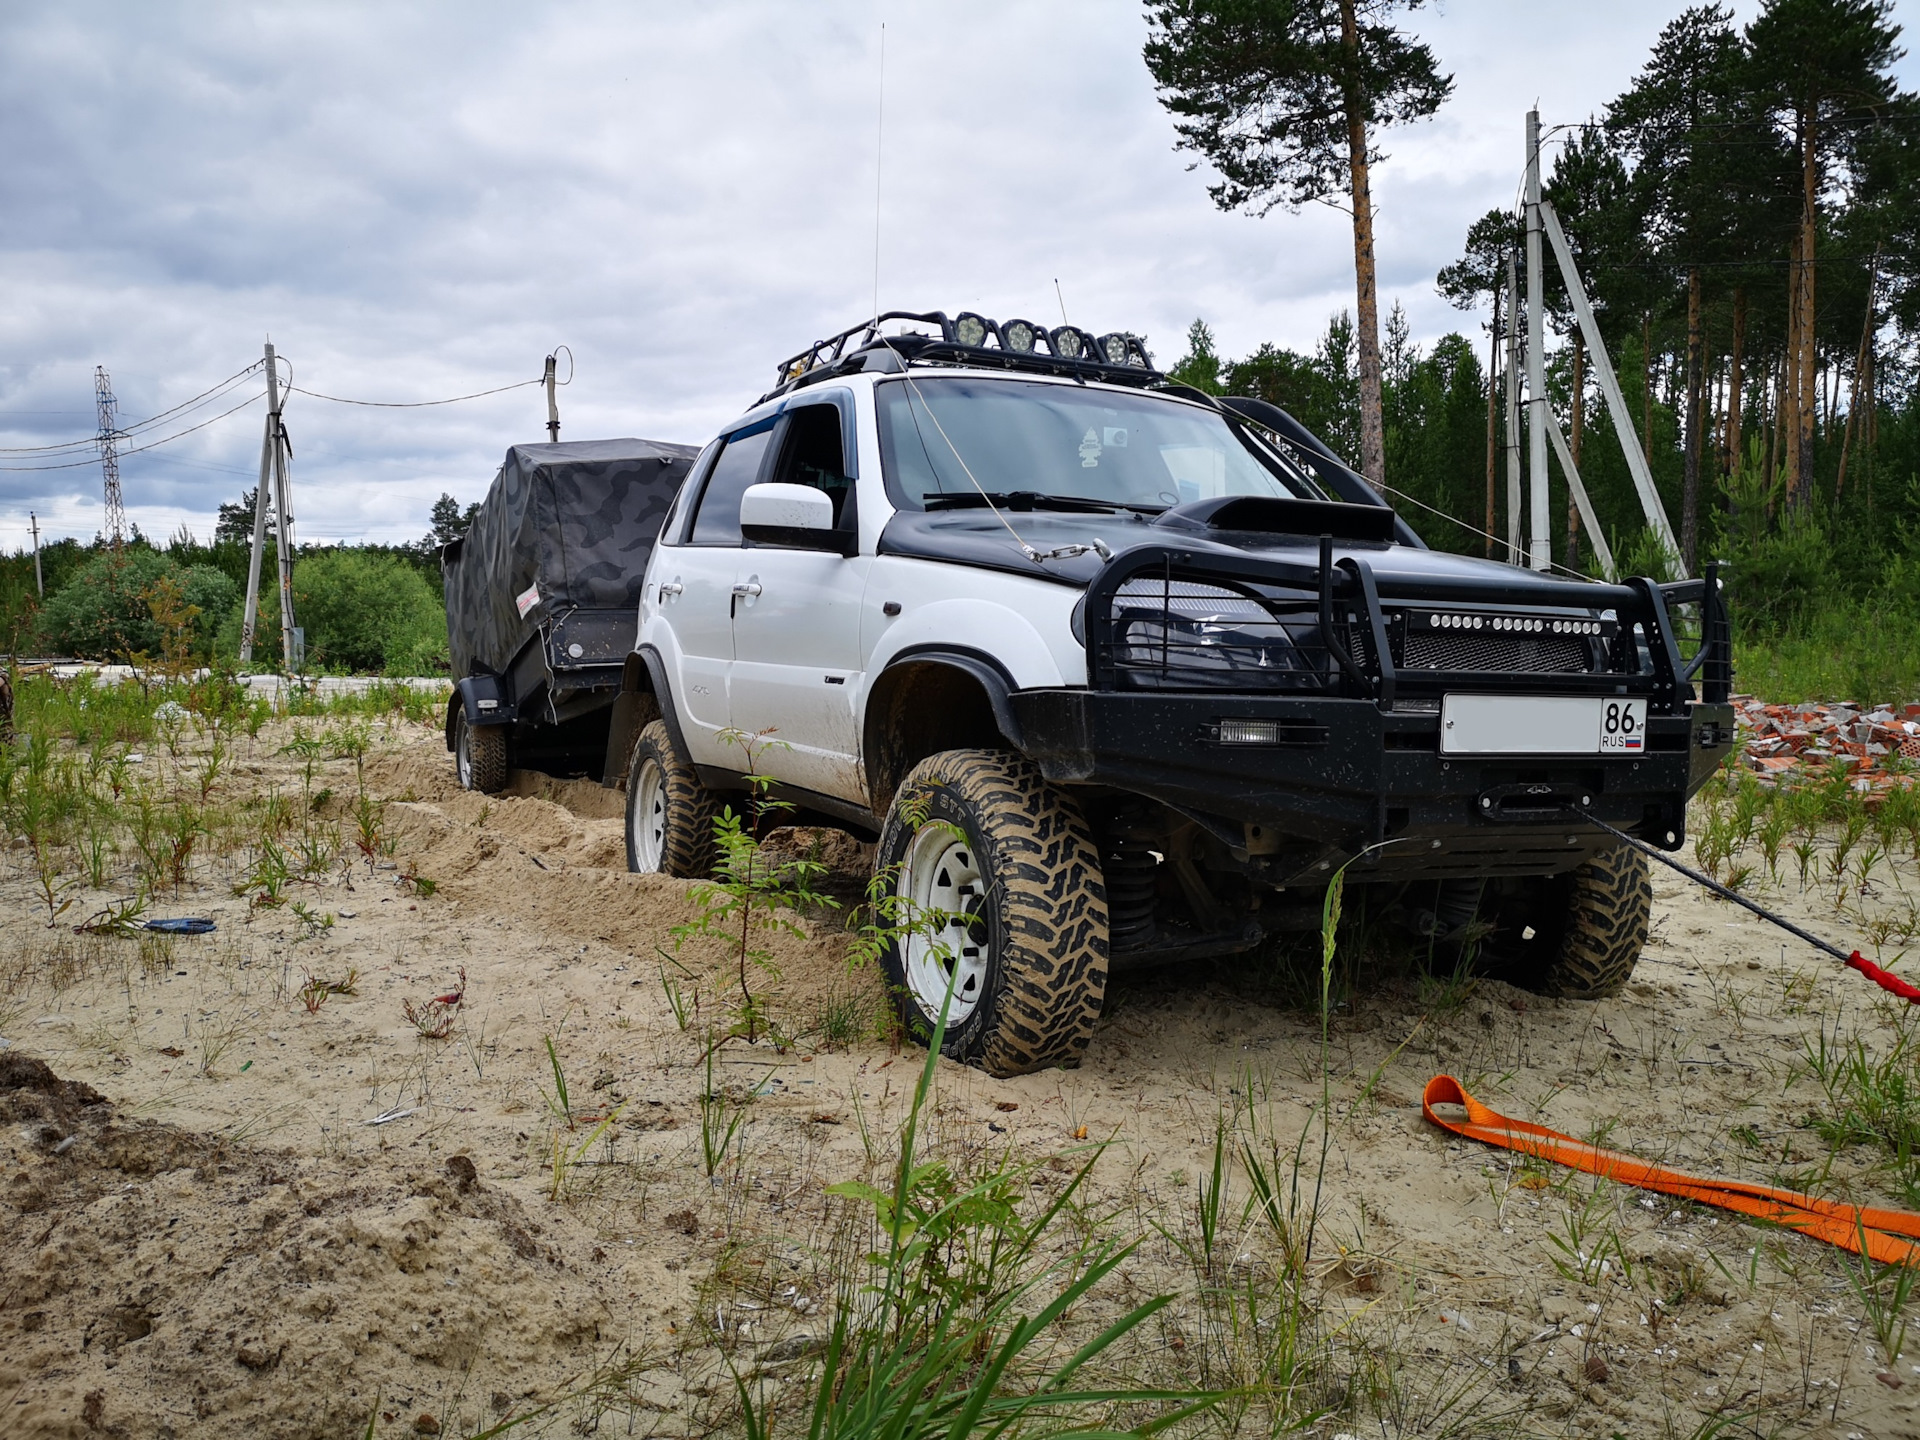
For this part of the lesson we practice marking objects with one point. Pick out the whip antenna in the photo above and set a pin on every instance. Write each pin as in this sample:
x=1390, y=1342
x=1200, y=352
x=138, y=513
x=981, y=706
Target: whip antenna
x=879, y=136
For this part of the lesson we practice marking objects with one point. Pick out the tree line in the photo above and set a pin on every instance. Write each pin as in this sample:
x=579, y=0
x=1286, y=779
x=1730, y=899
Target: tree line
x=1745, y=217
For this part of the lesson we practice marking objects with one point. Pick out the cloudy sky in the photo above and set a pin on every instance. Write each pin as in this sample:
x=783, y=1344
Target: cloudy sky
x=416, y=201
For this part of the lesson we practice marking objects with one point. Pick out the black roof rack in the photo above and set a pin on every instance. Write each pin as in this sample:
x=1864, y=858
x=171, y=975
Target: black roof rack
x=969, y=339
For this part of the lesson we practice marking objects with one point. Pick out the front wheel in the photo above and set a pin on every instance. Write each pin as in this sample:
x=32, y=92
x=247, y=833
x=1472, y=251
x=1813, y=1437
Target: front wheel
x=999, y=909
x=1576, y=935
x=670, y=814
x=480, y=755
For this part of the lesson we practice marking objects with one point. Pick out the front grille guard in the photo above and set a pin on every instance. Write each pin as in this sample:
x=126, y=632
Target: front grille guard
x=1269, y=626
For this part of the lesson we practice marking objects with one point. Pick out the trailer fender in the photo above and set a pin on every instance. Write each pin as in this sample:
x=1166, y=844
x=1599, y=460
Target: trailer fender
x=484, y=700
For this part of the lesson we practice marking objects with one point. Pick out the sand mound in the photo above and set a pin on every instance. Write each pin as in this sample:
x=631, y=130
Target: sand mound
x=263, y=1294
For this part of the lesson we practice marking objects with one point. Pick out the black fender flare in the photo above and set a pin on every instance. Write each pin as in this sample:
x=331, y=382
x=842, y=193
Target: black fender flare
x=987, y=672
x=643, y=677
x=484, y=700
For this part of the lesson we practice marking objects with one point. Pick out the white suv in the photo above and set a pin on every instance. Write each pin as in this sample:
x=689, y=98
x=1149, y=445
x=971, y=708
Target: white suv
x=1119, y=674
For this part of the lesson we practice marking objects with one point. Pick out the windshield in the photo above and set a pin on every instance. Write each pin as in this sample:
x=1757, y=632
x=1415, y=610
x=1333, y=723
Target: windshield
x=1066, y=441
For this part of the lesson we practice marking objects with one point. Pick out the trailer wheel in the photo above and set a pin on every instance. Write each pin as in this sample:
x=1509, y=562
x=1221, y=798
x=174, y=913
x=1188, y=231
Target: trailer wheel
x=670, y=814
x=1006, y=872
x=1576, y=935
x=480, y=755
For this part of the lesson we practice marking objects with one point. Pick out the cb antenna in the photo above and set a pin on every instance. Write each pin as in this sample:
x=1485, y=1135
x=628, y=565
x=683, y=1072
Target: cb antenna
x=1063, y=301
x=879, y=136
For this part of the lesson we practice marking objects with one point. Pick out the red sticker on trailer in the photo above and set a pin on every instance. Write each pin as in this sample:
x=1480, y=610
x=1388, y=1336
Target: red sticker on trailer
x=527, y=599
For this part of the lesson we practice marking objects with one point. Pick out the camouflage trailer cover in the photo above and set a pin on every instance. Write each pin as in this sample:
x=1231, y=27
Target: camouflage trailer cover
x=563, y=526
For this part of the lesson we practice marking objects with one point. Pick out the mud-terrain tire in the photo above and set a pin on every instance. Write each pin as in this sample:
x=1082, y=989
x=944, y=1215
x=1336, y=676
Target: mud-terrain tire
x=1588, y=927
x=982, y=833
x=670, y=814
x=480, y=755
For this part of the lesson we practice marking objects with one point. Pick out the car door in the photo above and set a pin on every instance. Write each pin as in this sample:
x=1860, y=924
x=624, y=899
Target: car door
x=696, y=597
x=796, y=630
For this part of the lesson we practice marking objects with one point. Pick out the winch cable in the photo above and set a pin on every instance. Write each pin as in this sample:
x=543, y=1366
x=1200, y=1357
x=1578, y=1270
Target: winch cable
x=1892, y=984
x=1885, y=1236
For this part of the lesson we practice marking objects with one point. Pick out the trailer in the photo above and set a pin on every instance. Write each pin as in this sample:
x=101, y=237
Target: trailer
x=543, y=595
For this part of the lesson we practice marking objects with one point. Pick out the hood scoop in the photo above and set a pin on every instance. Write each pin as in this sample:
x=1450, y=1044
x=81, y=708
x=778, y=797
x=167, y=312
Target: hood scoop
x=1271, y=515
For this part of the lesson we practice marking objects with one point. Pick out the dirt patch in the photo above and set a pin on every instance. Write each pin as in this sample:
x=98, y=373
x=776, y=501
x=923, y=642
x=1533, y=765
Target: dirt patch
x=235, y=1205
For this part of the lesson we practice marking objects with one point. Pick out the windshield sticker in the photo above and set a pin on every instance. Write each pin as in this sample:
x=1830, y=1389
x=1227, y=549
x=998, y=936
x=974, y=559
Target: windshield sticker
x=527, y=599
x=1115, y=437
x=1089, y=449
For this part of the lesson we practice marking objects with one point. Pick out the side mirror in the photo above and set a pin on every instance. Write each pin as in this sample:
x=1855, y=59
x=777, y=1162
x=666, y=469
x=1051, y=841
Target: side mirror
x=797, y=517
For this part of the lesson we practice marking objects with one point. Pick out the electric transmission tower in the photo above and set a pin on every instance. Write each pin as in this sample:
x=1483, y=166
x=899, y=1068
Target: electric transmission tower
x=108, y=440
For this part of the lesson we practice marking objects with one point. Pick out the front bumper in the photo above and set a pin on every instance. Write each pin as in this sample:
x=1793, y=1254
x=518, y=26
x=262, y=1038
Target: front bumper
x=1352, y=781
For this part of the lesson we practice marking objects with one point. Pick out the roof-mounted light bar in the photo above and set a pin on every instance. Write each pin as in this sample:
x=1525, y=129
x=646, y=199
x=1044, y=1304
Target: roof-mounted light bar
x=973, y=338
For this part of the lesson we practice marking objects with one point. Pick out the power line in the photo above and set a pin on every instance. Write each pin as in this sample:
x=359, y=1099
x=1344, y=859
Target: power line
x=419, y=404
x=150, y=445
x=205, y=397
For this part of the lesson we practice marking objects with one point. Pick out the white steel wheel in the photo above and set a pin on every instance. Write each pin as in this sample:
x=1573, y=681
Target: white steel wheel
x=647, y=817
x=949, y=945
x=463, y=754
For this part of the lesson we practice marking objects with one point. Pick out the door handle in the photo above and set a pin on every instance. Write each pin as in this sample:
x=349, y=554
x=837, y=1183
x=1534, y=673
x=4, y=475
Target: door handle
x=670, y=587
x=750, y=587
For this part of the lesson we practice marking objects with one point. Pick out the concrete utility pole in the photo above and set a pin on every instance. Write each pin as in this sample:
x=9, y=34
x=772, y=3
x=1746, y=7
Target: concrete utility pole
x=1540, y=550
x=1513, y=412
x=273, y=473
x=39, y=585
x=553, y=404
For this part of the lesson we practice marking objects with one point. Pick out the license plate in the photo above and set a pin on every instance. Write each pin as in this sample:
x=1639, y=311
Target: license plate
x=1542, y=725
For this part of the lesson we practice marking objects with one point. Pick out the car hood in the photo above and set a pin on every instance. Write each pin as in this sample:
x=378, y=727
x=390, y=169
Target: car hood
x=982, y=538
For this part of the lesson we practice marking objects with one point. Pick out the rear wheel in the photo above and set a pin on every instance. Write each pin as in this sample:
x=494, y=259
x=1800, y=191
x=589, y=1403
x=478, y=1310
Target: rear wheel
x=997, y=888
x=670, y=814
x=1576, y=935
x=480, y=755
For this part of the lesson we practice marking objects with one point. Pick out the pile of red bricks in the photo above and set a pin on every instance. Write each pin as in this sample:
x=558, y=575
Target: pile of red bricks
x=1879, y=749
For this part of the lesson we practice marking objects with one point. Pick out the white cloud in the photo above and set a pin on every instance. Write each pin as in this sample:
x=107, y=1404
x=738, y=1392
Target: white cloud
x=417, y=201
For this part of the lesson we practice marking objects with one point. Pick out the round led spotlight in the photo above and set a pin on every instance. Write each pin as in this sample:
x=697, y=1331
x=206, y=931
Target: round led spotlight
x=970, y=329
x=1137, y=353
x=1068, y=343
x=1113, y=348
x=1019, y=335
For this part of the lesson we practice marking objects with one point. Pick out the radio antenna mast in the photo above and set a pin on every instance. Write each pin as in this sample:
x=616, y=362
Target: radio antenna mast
x=109, y=440
x=879, y=136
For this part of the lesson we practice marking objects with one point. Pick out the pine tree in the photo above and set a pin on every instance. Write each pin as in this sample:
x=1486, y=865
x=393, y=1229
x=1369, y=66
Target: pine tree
x=1283, y=98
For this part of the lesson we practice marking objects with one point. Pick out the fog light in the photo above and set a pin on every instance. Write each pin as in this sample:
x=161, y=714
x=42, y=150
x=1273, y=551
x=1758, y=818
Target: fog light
x=1249, y=732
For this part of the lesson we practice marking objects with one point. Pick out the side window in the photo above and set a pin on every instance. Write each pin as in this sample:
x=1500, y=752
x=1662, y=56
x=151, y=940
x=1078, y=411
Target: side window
x=674, y=530
x=718, y=519
x=814, y=456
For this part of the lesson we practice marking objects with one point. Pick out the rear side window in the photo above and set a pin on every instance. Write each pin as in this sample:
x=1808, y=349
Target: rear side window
x=673, y=530
x=718, y=519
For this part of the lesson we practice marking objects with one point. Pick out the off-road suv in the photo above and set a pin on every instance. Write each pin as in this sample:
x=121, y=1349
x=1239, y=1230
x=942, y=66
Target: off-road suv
x=1121, y=674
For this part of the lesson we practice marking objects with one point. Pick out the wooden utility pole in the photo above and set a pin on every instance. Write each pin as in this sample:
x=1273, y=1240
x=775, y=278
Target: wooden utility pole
x=39, y=585
x=553, y=404
x=1539, y=416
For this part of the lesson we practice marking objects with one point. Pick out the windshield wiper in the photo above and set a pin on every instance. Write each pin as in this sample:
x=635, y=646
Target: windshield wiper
x=1018, y=501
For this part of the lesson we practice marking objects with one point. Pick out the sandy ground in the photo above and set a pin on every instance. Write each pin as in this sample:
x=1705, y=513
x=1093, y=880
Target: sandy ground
x=222, y=1214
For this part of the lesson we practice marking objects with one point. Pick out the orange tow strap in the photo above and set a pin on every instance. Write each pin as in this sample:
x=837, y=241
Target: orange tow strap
x=1852, y=1227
